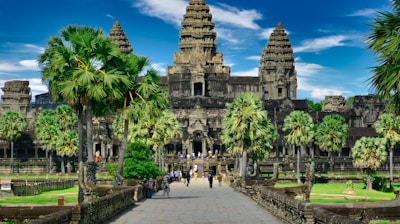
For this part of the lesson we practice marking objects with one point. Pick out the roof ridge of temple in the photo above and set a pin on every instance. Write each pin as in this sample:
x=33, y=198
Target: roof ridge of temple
x=197, y=34
x=119, y=37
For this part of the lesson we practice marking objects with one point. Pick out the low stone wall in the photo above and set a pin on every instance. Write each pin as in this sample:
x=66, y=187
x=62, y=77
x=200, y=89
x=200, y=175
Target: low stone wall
x=104, y=208
x=281, y=203
x=36, y=215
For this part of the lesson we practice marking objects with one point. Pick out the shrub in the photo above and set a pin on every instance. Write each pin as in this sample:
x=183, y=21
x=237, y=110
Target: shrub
x=112, y=168
x=138, y=162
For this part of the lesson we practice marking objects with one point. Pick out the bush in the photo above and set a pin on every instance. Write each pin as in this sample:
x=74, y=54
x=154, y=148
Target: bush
x=378, y=183
x=138, y=162
x=112, y=168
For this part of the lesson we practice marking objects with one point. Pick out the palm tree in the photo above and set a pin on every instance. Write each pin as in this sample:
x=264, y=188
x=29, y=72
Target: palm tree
x=388, y=125
x=368, y=154
x=142, y=106
x=384, y=41
x=245, y=128
x=67, y=137
x=165, y=128
x=299, y=128
x=12, y=124
x=79, y=69
x=331, y=134
x=46, y=131
x=67, y=145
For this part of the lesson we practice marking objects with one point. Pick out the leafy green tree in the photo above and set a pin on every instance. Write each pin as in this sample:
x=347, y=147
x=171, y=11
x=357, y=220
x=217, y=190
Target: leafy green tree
x=246, y=128
x=12, y=125
x=384, y=41
x=138, y=163
x=79, y=68
x=165, y=128
x=142, y=108
x=46, y=131
x=331, y=134
x=67, y=138
x=349, y=102
x=314, y=106
x=299, y=129
x=368, y=154
x=388, y=125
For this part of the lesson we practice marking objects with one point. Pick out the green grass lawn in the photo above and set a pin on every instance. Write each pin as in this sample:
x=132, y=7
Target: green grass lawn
x=340, y=193
x=47, y=198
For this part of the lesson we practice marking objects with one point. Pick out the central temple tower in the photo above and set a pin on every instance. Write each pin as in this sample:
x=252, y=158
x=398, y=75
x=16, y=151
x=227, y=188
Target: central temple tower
x=198, y=69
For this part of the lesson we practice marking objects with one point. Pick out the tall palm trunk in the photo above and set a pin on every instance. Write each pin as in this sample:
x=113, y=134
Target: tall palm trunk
x=244, y=164
x=12, y=157
x=91, y=165
x=80, y=156
x=51, y=161
x=121, y=155
x=298, y=165
x=391, y=167
x=47, y=161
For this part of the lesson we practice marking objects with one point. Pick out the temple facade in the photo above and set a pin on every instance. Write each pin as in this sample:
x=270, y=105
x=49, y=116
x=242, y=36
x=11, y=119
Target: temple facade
x=199, y=86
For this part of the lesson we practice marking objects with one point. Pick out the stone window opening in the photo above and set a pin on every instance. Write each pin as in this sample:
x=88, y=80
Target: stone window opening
x=198, y=89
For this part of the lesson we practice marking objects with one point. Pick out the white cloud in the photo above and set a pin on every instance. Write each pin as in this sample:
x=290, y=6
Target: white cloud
x=308, y=69
x=252, y=72
x=173, y=11
x=227, y=35
x=160, y=67
x=322, y=43
x=226, y=14
x=265, y=33
x=166, y=10
x=34, y=48
x=22, y=65
x=254, y=57
x=364, y=12
x=110, y=16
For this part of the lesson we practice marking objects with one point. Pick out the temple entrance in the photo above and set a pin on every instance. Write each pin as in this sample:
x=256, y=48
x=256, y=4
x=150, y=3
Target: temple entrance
x=197, y=147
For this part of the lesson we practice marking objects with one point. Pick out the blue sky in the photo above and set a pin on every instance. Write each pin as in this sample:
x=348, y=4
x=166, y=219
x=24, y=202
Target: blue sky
x=328, y=36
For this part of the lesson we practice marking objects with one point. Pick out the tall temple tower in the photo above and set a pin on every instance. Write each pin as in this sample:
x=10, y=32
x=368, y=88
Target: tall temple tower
x=276, y=70
x=198, y=69
x=119, y=37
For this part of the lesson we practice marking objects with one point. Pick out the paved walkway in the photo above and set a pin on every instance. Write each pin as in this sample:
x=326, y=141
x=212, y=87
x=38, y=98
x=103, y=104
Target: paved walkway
x=197, y=204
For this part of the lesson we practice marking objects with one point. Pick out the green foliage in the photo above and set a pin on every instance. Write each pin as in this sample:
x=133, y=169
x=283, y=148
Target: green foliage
x=138, y=163
x=349, y=185
x=378, y=183
x=112, y=168
x=349, y=102
x=315, y=106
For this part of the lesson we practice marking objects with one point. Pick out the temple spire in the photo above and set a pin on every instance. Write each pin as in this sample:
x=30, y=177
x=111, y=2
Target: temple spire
x=119, y=37
x=197, y=38
x=276, y=70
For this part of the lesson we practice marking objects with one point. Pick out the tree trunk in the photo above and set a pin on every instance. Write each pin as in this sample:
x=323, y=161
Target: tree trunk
x=369, y=181
x=47, y=161
x=62, y=165
x=121, y=155
x=51, y=161
x=244, y=164
x=81, y=197
x=235, y=168
x=12, y=157
x=162, y=159
x=91, y=166
x=391, y=168
x=298, y=165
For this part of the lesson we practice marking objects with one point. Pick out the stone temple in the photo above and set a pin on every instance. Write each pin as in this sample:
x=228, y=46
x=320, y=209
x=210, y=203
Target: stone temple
x=199, y=86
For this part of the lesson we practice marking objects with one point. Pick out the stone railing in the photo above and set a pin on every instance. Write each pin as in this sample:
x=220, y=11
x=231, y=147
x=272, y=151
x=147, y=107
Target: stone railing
x=281, y=203
x=103, y=208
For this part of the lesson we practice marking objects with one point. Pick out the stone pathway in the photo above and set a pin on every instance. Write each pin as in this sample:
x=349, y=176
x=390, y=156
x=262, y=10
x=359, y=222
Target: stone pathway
x=197, y=204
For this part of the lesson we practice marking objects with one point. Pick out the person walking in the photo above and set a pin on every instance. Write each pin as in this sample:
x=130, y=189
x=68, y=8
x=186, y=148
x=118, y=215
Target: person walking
x=150, y=185
x=165, y=186
x=187, y=179
x=210, y=179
